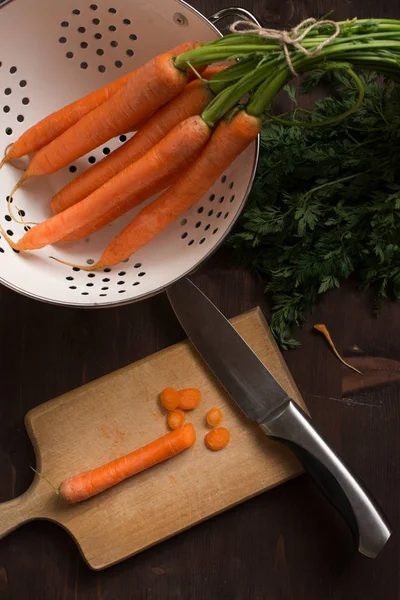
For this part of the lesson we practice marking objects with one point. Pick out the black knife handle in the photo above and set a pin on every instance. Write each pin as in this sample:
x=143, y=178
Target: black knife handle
x=291, y=426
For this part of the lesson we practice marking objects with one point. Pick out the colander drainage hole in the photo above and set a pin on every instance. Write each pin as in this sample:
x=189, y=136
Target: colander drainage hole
x=64, y=24
x=118, y=64
x=112, y=11
x=99, y=51
x=72, y=287
x=98, y=36
x=89, y=284
x=6, y=109
x=112, y=28
x=141, y=274
x=202, y=240
x=207, y=227
x=215, y=230
x=92, y=160
x=106, y=270
x=123, y=282
x=62, y=40
x=91, y=275
x=106, y=151
x=96, y=21
x=7, y=218
x=221, y=199
x=102, y=295
x=121, y=291
x=121, y=273
x=223, y=179
x=137, y=265
x=184, y=235
x=13, y=70
x=104, y=288
x=212, y=197
x=200, y=210
x=133, y=37
x=198, y=224
x=10, y=232
x=69, y=278
x=101, y=68
x=76, y=11
x=73, y=169
x=1, y=250
x=76, y=269
x=93, y=7
x=114, y=44
x=232, y=183
x=210, y=213
x=122, y=138
x=136, y=283
x=219, y=214
x=22, y=83
x=191, y=243
x=231, y=199
x=106, y=280
x=7, y=91
x=90, y=261
x=84, y=293
x=226, y=215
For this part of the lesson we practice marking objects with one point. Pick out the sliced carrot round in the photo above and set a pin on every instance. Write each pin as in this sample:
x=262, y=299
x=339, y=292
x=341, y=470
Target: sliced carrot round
x=189, y=398
x=176, y=418
x=170, y=398
x=214, y=417
x=217, y=439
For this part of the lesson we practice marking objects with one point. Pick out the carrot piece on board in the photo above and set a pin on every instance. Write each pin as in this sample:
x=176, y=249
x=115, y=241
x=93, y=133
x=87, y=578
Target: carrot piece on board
x=128, y=188
x=169, y=398
x=189, y=398
x=190, y=102
x=46, y=130
x=88, y=484
x=217, y=438
x=176, y=418
x=152, y=86
x=214, y=417
x=228, y=141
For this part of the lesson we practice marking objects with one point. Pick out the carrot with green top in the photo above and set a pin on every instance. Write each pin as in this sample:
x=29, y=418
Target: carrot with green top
x=191, y=101
x=52, y=126
x=93, y=482
x=128, y=188
x=229, y=140
x=152, y=86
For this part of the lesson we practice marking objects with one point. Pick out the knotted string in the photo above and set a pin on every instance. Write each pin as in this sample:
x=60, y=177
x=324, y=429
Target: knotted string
x=289, y=38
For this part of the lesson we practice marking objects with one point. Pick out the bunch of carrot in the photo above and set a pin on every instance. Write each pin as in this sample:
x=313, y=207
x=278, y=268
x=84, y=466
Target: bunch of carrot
x=175, y=149
x=192, y=121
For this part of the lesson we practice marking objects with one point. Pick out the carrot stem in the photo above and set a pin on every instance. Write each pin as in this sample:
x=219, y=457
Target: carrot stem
x=57, y=491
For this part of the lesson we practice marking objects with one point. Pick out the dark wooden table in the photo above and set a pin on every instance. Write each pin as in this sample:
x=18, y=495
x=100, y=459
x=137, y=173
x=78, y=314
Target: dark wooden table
x=287, y=544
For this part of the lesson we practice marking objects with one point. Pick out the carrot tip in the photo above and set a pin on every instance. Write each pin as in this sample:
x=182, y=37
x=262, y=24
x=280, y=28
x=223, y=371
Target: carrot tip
x=82, y=267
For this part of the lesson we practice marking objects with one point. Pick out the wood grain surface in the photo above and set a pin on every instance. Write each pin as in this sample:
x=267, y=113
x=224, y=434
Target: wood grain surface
x=111, y=416
x=287, y=544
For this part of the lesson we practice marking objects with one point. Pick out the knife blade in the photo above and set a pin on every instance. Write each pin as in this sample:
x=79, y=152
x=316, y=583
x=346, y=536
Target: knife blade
x=261, y=398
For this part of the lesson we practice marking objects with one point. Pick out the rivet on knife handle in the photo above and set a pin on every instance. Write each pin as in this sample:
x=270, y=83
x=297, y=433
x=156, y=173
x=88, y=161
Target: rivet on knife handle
x=291, y=426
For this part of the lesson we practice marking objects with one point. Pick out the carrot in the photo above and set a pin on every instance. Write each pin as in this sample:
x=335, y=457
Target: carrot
x=56, y=123
x=152, y=86
x=88, y=484
x=217, y=438
x=189, y=398
x=132, y=185
x=228, y=141
x=176, y=418
x=191, y=101
x=169, y=398
x=214, y=417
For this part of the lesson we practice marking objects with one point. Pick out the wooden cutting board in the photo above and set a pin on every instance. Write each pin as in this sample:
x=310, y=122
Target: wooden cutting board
x=120, y=412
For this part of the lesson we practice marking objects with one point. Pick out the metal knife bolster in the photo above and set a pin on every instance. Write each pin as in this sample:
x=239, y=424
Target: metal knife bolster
x=290, y=425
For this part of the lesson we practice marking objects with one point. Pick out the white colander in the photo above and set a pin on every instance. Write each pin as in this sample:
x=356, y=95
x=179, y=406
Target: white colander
x=53, y=52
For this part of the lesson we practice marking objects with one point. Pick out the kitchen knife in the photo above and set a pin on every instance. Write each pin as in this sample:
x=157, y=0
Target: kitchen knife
x=263, y=400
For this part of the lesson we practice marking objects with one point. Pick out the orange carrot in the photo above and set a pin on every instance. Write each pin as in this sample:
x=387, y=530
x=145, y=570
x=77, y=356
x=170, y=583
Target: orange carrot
x=227, y=143
x=176, y=418
x=169, y=398
x=46, y=130
x=88, y=484
x=192, y=101
x=128, y=188
x=217, y=438
x=152, y=86
x=214, y=417
x=189, y=398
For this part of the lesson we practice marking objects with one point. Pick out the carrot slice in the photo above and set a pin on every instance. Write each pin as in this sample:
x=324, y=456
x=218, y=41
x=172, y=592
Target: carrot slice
x=217, y=438
x=214, y=417
x=169, y=398
x=189, y=398
x=176, y=418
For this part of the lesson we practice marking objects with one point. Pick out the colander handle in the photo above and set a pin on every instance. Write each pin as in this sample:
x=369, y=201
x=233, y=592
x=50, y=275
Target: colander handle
x=242, y=13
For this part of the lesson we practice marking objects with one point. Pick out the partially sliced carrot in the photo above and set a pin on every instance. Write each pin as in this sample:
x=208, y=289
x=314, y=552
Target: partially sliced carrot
x=88, y=484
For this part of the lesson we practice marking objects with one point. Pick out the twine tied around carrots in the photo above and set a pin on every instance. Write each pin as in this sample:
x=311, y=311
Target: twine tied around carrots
x=294, y=37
